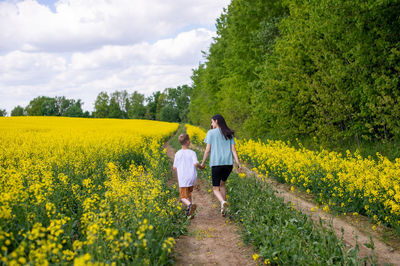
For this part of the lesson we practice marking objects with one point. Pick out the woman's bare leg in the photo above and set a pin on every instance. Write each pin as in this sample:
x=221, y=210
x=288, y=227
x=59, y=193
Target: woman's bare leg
x=218, y=194
x=222, y=189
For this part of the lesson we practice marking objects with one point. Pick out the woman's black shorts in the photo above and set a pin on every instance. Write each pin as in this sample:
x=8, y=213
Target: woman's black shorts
x=220, y=172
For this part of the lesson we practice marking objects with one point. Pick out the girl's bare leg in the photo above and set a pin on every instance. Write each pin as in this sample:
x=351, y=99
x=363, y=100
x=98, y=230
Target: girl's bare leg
x=185, y=201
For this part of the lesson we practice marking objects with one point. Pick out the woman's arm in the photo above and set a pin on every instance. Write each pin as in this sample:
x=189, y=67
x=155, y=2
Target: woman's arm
x=235, y=156
x=206, y=153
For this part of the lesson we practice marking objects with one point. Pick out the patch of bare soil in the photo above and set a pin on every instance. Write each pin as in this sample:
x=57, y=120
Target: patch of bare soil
x=212, y=239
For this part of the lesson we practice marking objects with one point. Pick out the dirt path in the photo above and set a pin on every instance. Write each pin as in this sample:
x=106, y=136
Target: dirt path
x=212, y=239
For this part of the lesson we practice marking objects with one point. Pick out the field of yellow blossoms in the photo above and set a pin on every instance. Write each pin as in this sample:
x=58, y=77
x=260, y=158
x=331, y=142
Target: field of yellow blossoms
x=85, y=192
x=344, y=183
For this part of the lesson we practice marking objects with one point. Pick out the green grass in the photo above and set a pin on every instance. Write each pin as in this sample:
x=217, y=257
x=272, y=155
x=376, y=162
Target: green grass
x=280, y=233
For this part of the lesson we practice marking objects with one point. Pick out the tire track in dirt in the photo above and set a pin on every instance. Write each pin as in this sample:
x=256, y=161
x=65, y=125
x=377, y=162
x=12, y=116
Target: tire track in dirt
x=212, y=239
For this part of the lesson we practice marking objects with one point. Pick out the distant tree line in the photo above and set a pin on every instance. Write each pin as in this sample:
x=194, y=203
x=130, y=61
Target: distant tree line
x=51, y=106
x=322, y=68
x=170, y=105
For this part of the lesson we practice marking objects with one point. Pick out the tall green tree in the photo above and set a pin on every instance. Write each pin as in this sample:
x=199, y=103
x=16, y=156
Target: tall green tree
x=229, y=78
x=335, y=71
x=75, y=109
x=42, y=106
x=3, y=112
x=136, y=108
x=62, y=105
x=101, y=105
x=287, y=69
x=161, y=103
x=119, y=104
x=207, y=78
x=115, y=109
x=153, y=105
x=176, y=104
x=244, y=54
x=68, y=107
x=17, y=111
x=182, y=101
x=169, y=114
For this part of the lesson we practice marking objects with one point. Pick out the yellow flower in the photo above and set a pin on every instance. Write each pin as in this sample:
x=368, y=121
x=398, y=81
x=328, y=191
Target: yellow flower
x=255, y=256
x=341, y=177
x=45, y=159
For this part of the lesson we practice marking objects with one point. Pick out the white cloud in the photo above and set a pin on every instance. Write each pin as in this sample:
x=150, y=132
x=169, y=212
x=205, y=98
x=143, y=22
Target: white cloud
x=143, y=67
x=81, y=25
x=21, y=68
x=185, y=48
x=82, y=47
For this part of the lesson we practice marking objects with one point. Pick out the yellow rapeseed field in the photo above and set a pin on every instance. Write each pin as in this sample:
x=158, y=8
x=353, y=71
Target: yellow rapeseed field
x=197, y=135
x=85, y=191
x=346, y=183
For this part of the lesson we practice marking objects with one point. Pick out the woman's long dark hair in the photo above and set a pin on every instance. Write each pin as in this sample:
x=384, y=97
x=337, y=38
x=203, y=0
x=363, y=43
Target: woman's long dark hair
x=226, y=131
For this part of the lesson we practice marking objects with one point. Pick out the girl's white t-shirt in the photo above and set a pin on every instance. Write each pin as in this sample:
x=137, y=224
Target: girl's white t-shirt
x=184, y=162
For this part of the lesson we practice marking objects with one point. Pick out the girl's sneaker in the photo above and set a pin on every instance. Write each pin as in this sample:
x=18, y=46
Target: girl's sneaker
x=190, y=210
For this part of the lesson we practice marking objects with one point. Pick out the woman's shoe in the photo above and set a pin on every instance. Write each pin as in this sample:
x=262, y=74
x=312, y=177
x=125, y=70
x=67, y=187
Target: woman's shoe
x=224, y=208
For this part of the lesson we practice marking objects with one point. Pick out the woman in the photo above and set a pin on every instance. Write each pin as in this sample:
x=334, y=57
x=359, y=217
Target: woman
x=221, y=144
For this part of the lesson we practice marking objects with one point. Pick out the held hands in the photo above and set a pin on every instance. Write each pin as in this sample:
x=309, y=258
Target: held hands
x=200, y=166
x=203, y=166
x=239, y=168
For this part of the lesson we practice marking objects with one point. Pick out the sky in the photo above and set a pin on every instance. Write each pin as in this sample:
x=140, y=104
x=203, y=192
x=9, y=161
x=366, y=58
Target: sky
x=78, y=48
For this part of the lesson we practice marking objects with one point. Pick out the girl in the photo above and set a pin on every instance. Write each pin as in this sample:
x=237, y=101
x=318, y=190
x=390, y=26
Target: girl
x=221, y=144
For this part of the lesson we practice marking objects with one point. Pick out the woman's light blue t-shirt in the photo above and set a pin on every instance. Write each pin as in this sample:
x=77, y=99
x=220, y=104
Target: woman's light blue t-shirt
x=221, y=148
